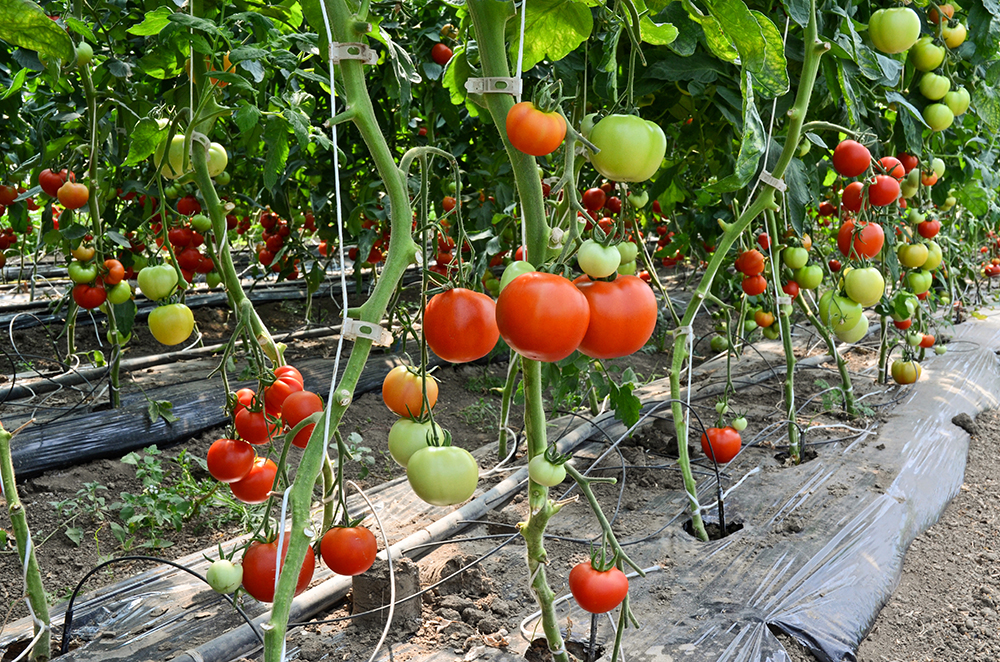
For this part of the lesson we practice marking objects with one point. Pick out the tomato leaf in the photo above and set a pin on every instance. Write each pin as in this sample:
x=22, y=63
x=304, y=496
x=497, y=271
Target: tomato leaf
x=276, y=138
x=246, y=117
x=81, y=28
x=552, y=30
x=751, y=144
x=23, y=23
x=125, y=317
x=455, y=74
x=627, y=406
x=143, y=139
x=160, y=409
x=986, y=100
x=798, y=10
x=799, y=194
x=75, y=534
x=15, y=84
x=153, y=22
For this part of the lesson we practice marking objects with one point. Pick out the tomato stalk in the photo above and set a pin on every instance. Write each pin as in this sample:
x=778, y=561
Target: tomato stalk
x=765, y=199
x=22, y=534
x=784, y=325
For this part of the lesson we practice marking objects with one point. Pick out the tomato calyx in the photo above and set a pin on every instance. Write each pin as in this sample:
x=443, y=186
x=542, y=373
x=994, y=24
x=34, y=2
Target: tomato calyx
x=600, y=562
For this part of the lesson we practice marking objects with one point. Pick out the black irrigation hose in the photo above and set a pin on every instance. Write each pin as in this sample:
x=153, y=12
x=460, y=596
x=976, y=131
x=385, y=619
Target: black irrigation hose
x=68, y=618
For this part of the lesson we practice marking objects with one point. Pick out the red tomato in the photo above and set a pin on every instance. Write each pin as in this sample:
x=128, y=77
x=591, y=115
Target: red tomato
x=929, y=229
x=402, y=392
x=902, y=325
x=51, y=181
x=257, y=484
x=7, y=195
x=893, y=167
x=834, y=265
x=754, y=285
x=258, y=569
x=851, y=158
x=460, y=325
x=622, y=316
x=89, y=296
x=597, y=592
x=853, y=197
x=299, y=406
x=827, y=209
x=791, y=288
x=594, y=199
x=867, y=242
x=750, y=263
x=275, y=393
x=725, y=443
x=908, y=161
x=534, y=132
x=441, y=54
x=764, y=240
x=348, y=551
x=287, y=370
x=188, y=206
x=230, y=460
x=542, y=316
x=244, y=399
x=885, y=190
x=927, y=340
x=254, y=427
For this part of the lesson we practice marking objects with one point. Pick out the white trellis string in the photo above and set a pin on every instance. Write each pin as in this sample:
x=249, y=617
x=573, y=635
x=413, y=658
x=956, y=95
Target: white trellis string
x=279, y=557
x=517, y=96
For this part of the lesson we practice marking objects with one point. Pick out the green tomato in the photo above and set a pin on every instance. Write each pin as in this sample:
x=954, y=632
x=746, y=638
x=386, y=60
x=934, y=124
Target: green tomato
x=915, y=217
x=407, y=436
x=224, y=576
x=905, y=372
x=933, y=86
x=855, y=333
x=84, y=54
x=937, y=165
x=81, y=273
x=750, y=326
x=940, y=349
x=157, y=282
x=958, y=100
x=632, y=149
x=740, y=424
x=804, y=147
x=171, y=324
x=913, y=338
x=719, y=343
x=912, y=255
x=866, y=286
x=213, y=278
x=638, y=200
x=934, y=256
x=120, y=293
x=223, y=178
x=201, y=223
x=910, y=184
x=771, y=332
x=809, y=277
x=442, y=476
x=587, y=125
x=926, y=55
x=628, y=268
x=175, y=158
x=139, y=262
x=544, y=472
x=795, y=258
x=894, y=30
x=598, y=261
x=721, y=408
x=513, y=270
x=919, y=281
x=839, y=312
x=172, y=192
x=938, y=116
x=628, y=250
x=218, y=159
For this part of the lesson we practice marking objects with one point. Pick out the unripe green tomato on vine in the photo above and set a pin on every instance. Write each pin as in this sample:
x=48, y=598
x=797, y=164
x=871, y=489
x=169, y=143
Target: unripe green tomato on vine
x=632, y=149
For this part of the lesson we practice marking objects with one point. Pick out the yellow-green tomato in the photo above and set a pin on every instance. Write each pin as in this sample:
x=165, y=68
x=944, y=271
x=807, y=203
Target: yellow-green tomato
x=934, y=256
x=598, y=261
x=82, y=273
x=927, y=56
x=628, y=250
x=855, y=333
x=894, y=30
x=912, y=255
x=157, y=282
x=632, y=149
x=938, y=116
x=839, y=312
x=934, y=86
x=795, y=258
x=905, y=372
x=513, y=270
x=201, y=223
x=224, y=576
x=218, y=159
x=937, y=165
x=172, y=165
x=171, y=324
x=865, y=285
x=638, y=200
x=544, y=472
x=120, y=293
x=940, y=349
x=958, y=101
x=407, y=436
x=771, y=332
x=809, y=277
x=442, y=475
x=919, y=281
x=627, y=268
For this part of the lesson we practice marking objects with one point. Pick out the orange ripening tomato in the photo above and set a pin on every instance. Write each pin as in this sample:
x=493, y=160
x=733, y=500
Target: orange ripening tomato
x=461, y=325
x=533, y=131
x=402, y=392
x=622, y=316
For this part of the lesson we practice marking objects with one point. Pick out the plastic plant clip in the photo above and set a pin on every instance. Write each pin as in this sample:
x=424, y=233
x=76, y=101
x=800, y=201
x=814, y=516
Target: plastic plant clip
x=350, y=50
x=773, y=181
x=354, y=329
x=494, y=85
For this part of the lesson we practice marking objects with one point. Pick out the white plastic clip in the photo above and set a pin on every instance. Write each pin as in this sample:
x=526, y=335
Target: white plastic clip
x=350, y=50
x=784, y=301
x=494, y=85
x=353, y=329
x=684, y=330
x=771, y=180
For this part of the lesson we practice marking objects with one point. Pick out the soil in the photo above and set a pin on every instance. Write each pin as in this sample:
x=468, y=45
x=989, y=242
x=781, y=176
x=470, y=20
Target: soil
x=476, y=614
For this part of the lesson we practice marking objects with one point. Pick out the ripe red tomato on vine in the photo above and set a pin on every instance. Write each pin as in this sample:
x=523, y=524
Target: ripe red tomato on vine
x=441, y=54
x=348, y=550
x=259, y=562
x=595, y=591
x=460, y=325
x=851, y=158
x=721, y=443
x=534, y=131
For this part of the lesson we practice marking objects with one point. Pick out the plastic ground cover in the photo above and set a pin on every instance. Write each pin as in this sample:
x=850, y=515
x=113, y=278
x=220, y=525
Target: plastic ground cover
x=820, y=551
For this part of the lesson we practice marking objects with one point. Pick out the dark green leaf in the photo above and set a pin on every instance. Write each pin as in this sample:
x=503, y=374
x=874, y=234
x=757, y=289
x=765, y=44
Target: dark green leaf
x=81, y=28
x=195, y=23
x=246, y=117
x=23, y=23
x=798, y=10
x=627, y=406
x=125, y=316
x=143, y=139
x=798, y=194
x=15, y=85
x=688, y=31
x=118, y=69
x=900, y=100
x=751, y=144
x=73, y=231
x=118, y=238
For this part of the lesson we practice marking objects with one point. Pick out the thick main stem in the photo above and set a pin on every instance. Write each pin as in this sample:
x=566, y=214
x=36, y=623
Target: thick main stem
x=764, y=200
x=19, y=522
